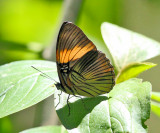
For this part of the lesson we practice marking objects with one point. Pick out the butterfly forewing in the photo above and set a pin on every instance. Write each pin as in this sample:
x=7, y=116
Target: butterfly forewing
x=82, y=69
x=72, y=44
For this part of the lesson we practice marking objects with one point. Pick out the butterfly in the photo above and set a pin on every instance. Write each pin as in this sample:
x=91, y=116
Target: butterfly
x=82, y=69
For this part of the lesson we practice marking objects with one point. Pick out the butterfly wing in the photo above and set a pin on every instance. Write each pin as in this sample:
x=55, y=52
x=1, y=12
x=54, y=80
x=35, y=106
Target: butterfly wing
x=81, y=68
x=92, y=75
x=72, y=44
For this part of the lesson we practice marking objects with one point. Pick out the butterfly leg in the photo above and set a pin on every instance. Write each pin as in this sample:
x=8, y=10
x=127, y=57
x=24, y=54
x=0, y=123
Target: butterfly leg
x=71, y=97
x=68, y=104
x=82, y=102
x=59, y=99
x=80, y=98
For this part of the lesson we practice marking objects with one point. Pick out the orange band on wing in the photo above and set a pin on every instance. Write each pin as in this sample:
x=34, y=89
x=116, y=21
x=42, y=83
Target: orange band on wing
x=75, y=53
x=83, y=51
x=66, y=58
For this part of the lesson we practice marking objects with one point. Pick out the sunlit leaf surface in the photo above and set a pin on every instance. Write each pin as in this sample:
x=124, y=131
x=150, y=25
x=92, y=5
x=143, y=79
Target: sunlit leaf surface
x=126, y=46
x=21, y=86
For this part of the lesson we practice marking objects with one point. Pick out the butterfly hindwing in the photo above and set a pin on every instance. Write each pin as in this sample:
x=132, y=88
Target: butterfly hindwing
x=85, y=61
x=92, y=75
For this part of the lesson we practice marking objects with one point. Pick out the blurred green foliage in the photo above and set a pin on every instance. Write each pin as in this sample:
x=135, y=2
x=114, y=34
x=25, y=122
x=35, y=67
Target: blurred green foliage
x=93, y=14
x=29, y=21
x=27, y=27
x=11, y=51
x=46, y=129
x=26, y=21
x=6, y=125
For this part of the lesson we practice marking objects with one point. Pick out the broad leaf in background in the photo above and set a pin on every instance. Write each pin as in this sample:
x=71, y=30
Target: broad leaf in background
x=132, y=70
x=125, y=109
x=156, y=105
x=21, y=86
x=156, y=96
x=126, y=46
x=155, y=108
x=46, y=129
x=16, y=51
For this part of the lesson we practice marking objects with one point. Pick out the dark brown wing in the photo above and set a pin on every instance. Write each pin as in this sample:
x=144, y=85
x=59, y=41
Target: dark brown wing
x=72, y=44
x=81, y=68
x=92, y=75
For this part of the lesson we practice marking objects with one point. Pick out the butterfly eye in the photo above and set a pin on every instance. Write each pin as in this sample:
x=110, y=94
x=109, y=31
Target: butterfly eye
x=65, y=71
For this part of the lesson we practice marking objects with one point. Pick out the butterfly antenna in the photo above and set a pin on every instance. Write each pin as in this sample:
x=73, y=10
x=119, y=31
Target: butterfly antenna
x=43, y=74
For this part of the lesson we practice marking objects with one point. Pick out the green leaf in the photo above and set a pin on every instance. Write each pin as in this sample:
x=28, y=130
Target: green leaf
x=125, y=109
x=132, y=70
x=155, y=96
x=126, y=46
x=21, y=86
x=155, y=108
x=46, y=129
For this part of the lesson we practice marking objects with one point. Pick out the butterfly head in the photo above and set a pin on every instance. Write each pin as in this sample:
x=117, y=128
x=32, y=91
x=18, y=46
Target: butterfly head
x=59, y=86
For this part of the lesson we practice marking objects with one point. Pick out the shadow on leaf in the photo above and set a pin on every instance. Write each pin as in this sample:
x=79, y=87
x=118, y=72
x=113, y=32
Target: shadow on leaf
x=78, y=110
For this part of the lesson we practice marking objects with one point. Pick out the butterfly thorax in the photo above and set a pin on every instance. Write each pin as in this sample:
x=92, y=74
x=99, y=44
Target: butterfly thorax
x=64, y=68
